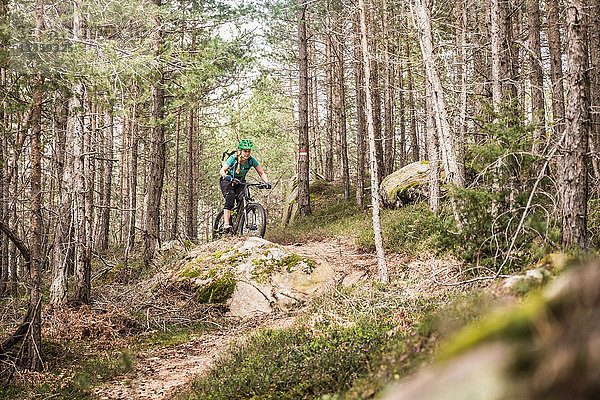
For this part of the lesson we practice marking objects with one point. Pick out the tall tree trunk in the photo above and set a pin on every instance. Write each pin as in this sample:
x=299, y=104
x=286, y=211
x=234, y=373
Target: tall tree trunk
x=318, y=153
x=191, y=204
x=4, y=183
x=432, y=151
x=537, y=76
x=381, y=264
x=594, y=32
x=132, y=182
x=573, y=168
x=303, y=159
x=376, y=96
x=500, y=68
x=461, y=77
x=175, y=223
x=13, y=254
x=34, y=339
x=123, y=206
x=106, y=207
x=446, y=137
x=329, y=138
x=414, y=143
x=99, y=165
x=340, y=106
x=312, y=100
x=156, y=167
x=4, y=166
x=63, y=229
x=556, y=75
x=361, y=129
x=388, y=95
x=401, y=111
x=479, y=21
x=75, y=129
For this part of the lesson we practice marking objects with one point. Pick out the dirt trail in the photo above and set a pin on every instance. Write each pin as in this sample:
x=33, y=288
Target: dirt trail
x=163, y=373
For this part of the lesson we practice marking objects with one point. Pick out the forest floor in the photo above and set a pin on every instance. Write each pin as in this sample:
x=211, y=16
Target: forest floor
x=165, y=372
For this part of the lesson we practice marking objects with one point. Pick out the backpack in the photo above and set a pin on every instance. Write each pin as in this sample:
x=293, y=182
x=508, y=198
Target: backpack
x=228, y=153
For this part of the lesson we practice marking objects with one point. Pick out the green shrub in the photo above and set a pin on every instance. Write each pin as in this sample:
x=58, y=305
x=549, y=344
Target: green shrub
x=293, y=364
x=594, y=222
x=412, y=229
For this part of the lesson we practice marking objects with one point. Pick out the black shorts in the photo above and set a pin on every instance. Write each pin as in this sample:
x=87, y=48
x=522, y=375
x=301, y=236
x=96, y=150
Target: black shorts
x=230, y=192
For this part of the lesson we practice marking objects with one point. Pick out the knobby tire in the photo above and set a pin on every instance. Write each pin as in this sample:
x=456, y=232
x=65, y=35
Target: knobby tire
x=256, y=224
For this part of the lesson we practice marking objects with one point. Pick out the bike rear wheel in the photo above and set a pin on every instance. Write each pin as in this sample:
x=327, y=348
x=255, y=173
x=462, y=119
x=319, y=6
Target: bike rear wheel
x=254, y=221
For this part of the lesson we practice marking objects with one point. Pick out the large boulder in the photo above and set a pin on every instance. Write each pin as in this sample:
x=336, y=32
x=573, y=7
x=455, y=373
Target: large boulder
x=547, y=347
x=251, y=276
x=407, y=185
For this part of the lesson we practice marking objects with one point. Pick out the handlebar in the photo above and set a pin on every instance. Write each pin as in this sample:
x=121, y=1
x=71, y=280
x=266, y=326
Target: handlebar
x=258, y=185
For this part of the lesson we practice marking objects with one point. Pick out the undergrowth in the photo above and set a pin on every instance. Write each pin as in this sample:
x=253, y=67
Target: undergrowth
x=351, y=344
x=331, y=216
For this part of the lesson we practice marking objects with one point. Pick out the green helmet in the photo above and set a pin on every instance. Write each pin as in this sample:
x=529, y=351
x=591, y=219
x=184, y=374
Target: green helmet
x=245, y=144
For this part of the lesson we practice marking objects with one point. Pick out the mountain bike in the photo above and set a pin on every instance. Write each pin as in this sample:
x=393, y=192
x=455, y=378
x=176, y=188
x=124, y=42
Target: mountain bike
x=248, y=218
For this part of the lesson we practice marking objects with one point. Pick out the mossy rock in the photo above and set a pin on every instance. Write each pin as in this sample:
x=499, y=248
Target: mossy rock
x=218, y=290
x=265, y=268
x=407, y=185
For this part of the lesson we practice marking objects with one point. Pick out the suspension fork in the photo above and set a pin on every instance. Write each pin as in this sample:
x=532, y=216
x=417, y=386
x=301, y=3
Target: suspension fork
x=244, y=209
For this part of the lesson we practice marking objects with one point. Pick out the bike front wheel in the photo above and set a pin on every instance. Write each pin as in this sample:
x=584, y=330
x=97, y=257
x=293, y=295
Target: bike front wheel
x=254, y=221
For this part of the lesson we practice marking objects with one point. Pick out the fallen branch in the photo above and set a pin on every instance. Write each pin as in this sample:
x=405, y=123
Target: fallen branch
x=16, y=240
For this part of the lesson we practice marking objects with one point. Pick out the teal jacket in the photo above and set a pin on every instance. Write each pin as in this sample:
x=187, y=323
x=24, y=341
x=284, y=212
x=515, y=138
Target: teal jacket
x=237, y=170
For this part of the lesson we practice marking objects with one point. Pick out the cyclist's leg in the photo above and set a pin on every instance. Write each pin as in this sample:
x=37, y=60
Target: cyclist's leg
x=229, y=193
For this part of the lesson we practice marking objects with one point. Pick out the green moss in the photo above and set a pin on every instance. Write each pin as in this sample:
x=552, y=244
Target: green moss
x=266, y=267
x=218, y=291
x=191, y=271
x=263, y=269
x=235, y=258
x=508, y=323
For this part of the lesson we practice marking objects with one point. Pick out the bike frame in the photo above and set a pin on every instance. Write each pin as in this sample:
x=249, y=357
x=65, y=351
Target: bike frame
x=242, y=200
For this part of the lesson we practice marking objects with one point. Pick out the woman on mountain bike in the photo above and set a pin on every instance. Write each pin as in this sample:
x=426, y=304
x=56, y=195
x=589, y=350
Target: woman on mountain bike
x=237, y=166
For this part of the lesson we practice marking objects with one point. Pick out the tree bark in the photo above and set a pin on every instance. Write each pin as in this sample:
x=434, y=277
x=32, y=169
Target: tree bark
x=361, y=129
x=175, y=222
x=461, y=77
x=573, y=168
x=401, y=112
x=433, y=152
x=537, y=76
x=99, y=164
x=329, y=138
x=388, y=95
x=381, y=264
x=4, y=166
x=376, y=95
x=340, y=106
x=594, y=32
x=156, y=167
x=33, y=343
x=446, y=137
x=414, y=143
x=556, y=75
x=103, y=241
x=75, y=130
x=132, y=182
x=303, y=159
x=191, y=204
x=318, y=153
x=503, y=89
x=63, y=247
